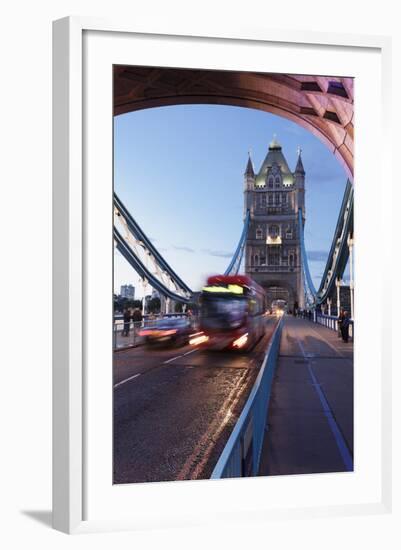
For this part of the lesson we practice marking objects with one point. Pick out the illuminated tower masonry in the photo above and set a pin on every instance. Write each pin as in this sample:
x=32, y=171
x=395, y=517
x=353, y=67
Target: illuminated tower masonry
x=273, y=248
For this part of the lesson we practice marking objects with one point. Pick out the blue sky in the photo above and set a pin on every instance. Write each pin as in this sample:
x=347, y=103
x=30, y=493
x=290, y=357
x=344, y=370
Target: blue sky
x=179, y=170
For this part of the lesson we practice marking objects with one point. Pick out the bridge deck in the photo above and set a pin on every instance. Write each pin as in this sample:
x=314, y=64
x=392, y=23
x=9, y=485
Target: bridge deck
x=175, y=408
x=311, y=409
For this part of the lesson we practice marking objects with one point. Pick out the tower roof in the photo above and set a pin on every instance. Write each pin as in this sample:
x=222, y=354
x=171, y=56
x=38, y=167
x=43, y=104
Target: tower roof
x=249, y=171
x=274, y=156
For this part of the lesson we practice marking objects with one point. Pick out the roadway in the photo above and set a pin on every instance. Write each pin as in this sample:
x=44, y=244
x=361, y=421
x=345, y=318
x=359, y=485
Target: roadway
x=310, y=419
x=174, y=409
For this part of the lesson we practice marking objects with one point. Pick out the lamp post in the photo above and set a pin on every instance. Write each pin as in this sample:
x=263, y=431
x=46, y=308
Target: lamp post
x=350, y=242
x=144, y=285
x=338, y=285
x=162, y=304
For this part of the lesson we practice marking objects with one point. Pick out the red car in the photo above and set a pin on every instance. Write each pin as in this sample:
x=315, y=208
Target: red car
x=167, y=332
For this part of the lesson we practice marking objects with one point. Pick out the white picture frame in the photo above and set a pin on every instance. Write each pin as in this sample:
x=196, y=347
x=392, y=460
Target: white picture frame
x=71, y=340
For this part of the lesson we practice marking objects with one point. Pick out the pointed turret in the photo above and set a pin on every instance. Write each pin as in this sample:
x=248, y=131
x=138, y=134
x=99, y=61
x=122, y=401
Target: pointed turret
x=249, y=175
x=249, y=185
x=299, y=176
x=249, y=171
x=299, y=169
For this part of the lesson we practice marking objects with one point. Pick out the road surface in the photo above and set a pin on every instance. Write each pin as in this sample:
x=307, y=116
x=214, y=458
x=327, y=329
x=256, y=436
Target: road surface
x=174, y=409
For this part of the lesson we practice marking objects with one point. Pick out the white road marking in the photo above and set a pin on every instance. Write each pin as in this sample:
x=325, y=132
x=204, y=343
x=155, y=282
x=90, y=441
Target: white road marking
x=178, y=356
x=190, y=351
x=164, y=363
x=338, y=436
x=172, y=359
x=126, y=380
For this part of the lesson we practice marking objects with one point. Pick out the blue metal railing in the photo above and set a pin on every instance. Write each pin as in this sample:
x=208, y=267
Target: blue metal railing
x=331, y=322
x=242, y=453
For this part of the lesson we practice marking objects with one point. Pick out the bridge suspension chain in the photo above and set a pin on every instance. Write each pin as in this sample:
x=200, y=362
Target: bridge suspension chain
x=310, y=289
x=143, y=256
x=235, y=263
x=338, y=255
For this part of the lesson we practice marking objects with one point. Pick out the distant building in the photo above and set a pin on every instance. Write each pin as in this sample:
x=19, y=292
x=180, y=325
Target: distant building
x=128, y=291
x=273, y=197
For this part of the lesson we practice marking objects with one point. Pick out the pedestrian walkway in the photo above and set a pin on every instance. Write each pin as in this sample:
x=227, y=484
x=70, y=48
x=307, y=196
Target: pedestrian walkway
x=131, y=339
x=310, y=420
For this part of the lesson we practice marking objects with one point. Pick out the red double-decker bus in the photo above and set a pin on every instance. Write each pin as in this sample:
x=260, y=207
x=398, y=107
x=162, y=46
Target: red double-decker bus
x=232, y=313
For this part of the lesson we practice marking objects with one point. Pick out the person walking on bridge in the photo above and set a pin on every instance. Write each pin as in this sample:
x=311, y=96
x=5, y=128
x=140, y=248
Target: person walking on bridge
x=345, y=327
x=137, y=319
x=339, y=322
x=127, y=321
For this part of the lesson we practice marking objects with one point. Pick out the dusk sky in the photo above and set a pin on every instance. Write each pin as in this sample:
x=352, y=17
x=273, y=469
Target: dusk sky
x=179, y=170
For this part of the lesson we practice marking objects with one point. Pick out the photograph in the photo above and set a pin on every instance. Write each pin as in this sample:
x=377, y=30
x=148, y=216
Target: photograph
x=233, y=274
x=192, y=193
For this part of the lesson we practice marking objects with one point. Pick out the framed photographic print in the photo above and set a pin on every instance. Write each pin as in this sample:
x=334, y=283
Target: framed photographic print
x=213, y=197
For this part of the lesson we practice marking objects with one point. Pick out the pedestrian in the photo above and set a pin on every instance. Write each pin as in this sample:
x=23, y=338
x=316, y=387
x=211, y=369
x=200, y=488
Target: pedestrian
x=339, y=322
x=345, y=327
x=137, y=315
x=137, y=318
x=127, y=321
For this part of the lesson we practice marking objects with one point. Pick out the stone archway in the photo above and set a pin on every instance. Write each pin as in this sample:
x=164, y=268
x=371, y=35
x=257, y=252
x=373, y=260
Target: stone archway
x=280, y=290
x=323, y=105
x=275, y=293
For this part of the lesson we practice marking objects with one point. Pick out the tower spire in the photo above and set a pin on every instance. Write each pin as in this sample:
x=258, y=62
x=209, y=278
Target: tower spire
x=299, y=169
x=274, y=144
x=249, y=171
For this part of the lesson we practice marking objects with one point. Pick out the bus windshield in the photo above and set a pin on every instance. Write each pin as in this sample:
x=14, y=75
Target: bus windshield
x=223, y=312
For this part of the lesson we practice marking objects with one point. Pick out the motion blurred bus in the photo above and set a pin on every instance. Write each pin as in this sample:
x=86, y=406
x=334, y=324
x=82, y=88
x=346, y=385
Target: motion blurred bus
x=232, y=311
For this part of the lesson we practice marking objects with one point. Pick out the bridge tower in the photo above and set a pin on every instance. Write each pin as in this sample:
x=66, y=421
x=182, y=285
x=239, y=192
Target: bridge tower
x=273, y=250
